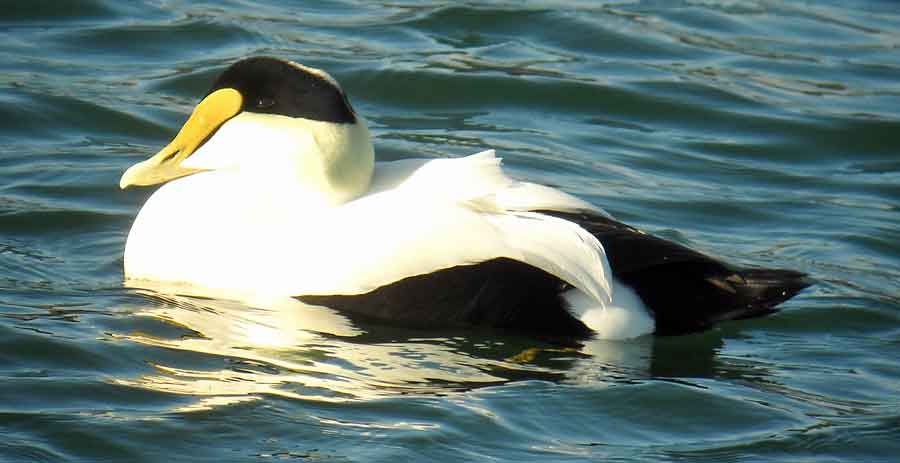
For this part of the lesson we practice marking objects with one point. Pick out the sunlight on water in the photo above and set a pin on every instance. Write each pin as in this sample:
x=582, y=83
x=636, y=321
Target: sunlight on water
x=291, y=349
x=764, y=132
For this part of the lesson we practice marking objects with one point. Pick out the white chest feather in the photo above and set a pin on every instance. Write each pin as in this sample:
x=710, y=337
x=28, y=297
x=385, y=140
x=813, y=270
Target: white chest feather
x=230, y=231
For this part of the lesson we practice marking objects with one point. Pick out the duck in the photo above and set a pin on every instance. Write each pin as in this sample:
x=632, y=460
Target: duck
x=271, y=187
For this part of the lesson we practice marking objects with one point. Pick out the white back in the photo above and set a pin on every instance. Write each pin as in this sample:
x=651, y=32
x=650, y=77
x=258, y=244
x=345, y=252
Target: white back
x=225, y=230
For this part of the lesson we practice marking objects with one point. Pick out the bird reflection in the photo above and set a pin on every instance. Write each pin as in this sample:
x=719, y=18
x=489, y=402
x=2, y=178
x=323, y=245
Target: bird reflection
x=283, y=347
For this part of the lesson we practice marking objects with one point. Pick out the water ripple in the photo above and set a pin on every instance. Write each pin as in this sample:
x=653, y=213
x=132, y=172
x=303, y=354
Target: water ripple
x=764, y=132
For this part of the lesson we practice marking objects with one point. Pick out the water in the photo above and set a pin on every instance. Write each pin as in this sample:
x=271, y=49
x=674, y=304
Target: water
x=765, y=132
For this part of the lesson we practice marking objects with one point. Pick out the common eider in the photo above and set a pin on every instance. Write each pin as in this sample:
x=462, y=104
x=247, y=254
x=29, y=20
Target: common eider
x=271, y=187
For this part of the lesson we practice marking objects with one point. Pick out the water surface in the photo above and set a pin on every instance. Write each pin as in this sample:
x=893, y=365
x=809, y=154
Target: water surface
x=764, y=132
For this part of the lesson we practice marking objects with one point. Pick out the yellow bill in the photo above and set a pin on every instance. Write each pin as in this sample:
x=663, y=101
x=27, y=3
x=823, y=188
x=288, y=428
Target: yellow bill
x=208, y=116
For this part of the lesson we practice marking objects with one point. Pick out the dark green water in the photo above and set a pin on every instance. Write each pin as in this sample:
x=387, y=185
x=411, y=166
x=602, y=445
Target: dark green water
x=764, y=132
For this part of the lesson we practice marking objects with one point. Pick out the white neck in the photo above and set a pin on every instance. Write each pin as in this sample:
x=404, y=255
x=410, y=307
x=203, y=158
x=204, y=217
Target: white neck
x=329, y=162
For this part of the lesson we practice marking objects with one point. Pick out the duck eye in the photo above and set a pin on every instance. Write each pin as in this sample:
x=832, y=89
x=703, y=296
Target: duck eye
x=265, y=102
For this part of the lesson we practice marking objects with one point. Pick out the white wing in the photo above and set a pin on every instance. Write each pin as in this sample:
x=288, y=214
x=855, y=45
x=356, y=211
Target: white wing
x=420, y=217
x=451, y=212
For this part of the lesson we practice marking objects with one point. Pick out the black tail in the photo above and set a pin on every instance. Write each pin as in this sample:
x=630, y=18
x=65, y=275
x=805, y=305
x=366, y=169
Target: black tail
x=687, y=291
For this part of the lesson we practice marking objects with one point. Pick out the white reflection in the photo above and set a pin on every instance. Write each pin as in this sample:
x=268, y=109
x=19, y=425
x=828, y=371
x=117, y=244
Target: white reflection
x=284, y=347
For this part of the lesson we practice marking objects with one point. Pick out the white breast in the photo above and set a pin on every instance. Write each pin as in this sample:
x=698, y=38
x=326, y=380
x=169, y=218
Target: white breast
x=224, y=230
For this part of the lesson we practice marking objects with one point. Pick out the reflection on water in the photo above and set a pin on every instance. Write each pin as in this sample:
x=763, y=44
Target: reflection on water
x=284, y=347
x=764, y=132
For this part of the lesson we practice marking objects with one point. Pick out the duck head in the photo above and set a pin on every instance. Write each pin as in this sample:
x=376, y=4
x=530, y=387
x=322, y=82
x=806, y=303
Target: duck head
x=273, y=120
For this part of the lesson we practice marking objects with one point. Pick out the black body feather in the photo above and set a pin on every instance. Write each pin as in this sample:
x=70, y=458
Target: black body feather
x=685, y=290
x=499, y=293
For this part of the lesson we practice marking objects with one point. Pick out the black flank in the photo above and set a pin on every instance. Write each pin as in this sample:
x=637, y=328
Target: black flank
x=499, y=293
x=687, y=291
